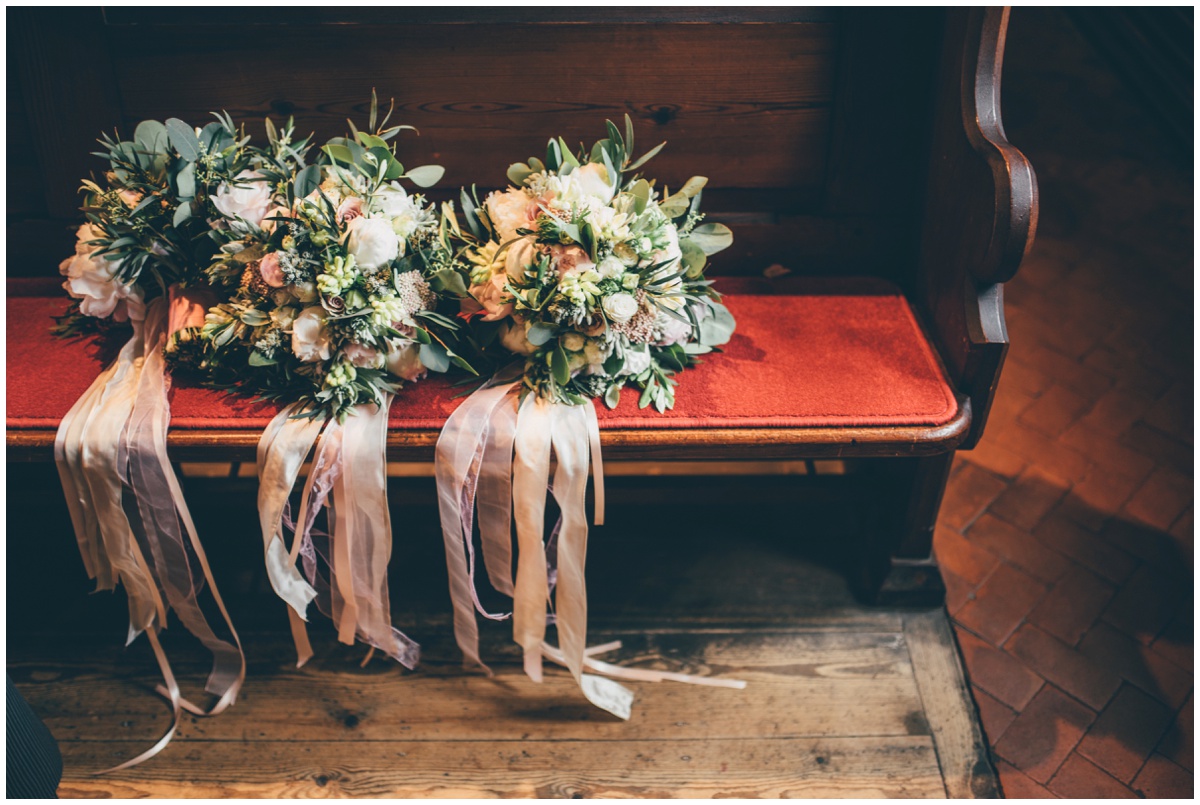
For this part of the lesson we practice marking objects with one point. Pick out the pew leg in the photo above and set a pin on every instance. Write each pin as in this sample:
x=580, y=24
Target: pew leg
x=899, y=568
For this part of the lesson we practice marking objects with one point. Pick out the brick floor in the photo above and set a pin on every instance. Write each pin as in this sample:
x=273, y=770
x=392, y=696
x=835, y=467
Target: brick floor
x=1067, y=536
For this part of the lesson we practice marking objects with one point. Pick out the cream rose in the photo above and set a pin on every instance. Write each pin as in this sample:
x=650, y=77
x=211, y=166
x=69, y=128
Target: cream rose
x=620, y=307
x=363, y=357
x=509, y=211
x=520, y=256
x=91, y=280
x=592, y=180
x=512, y=337
x=304, y=292
x=372, y=242
x=246, y=198
x=310, y=337
x=572, y=342
x=404, y=360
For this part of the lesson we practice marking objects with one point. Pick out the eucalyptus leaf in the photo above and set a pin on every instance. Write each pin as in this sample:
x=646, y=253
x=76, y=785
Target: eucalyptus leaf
x=451, y=281
x=694, y=258
x=693, y=186
x=426, y=175
x=518, y=172
x=258, y=359
x=641, y=194
x=434, y=357
x=150, y=135
x=186, y=181
x=339, y=153
x=612, y=397
x=182, y=213
x=183, y=139
x=560, y=365
x=307, y=181
x=540, y=333
x=717, y=328
x=712, y=238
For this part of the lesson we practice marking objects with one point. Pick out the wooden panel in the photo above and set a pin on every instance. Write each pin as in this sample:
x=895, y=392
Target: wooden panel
x=755, y=767
x=480, y=104
x=664, y=444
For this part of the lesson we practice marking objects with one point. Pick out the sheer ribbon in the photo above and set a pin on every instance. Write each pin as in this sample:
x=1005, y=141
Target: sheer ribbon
x=345, y=568
x=494, y=455
x=128, y=512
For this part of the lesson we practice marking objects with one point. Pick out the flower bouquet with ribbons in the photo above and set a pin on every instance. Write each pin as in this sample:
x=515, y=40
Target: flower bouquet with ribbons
x=333, y=306
x=592, y=279
x=139, y=260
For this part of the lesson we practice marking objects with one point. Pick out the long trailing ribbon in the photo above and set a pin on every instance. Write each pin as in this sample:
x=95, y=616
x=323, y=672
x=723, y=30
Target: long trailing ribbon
x=345, y=568
x=127, y=508
x=495, y=455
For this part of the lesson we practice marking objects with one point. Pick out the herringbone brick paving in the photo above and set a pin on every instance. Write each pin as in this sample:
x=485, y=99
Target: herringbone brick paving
x=1066, y=537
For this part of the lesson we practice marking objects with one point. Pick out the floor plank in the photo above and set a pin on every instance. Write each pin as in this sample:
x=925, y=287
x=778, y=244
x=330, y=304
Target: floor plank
x=754, y=767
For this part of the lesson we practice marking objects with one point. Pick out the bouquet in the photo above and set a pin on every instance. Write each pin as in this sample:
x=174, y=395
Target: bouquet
x=333, y=294
x=595, y=277
x=592, y=279
x=140, y=259
x=333, y=281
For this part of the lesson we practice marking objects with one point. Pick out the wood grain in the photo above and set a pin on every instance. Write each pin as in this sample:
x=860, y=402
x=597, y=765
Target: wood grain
x=480, y=107
x=654, y=444
x=754, y=767
x=961, y=746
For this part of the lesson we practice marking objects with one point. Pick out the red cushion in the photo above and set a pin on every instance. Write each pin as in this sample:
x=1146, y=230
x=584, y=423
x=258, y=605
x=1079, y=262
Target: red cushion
x=845, y=354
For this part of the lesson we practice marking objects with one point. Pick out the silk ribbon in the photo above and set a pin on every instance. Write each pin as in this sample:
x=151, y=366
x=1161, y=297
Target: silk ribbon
x=127, y=509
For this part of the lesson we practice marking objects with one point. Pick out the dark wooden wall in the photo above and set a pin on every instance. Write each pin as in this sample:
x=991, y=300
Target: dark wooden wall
x=812, y=124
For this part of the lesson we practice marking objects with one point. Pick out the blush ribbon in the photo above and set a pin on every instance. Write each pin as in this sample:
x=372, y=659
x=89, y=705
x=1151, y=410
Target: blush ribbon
x=495, y=454
x=345, y=567
x=130, y=519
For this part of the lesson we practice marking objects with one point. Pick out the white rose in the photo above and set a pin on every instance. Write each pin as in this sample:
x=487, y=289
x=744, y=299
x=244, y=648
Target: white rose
x=671, y=330
x=519, y=256
x=310, y=336
x=283, y=317
x=90, y=279
x=512, y=337
x=246, y=198
x=620, y=307
x=592, y=180
x=572, y=342
x=404, y=359
x=363, y=357
x=406, y=215
x=610, y=267
x=636, y=361
x=372, y=242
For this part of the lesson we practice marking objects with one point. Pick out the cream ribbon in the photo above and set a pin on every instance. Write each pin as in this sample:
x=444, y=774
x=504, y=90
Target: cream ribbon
x=110, y=445
x=348, y=479
x=495, y=452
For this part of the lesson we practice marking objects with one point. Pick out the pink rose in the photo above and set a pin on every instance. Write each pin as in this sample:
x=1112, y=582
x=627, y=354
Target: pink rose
x=571, y=258
x=270, y=271
x=493, y=298
x=350, y=209
x=363, y=356
x=186, y=307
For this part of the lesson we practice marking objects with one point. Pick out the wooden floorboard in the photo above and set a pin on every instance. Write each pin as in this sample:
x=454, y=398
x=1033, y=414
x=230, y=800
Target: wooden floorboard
x=842, y=699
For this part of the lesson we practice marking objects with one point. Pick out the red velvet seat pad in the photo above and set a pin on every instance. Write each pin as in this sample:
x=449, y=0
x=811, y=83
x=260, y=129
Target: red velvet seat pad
x=817, y=355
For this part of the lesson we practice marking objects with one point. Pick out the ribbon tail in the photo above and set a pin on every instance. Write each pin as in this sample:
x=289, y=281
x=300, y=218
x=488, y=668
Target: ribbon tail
x=531, y=473
x=362, y=536
x=282, y=449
